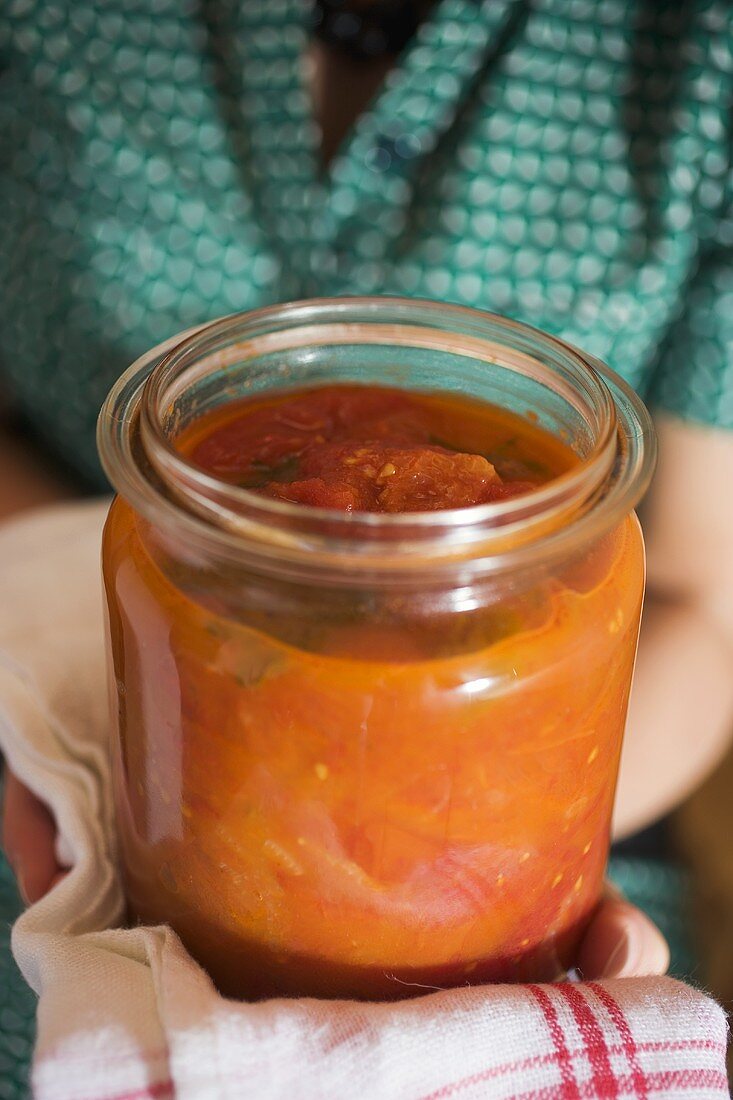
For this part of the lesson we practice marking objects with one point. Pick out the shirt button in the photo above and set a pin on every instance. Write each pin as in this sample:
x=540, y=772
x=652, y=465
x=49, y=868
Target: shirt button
x=379, y=159
x=407, y=146
x=390, y=149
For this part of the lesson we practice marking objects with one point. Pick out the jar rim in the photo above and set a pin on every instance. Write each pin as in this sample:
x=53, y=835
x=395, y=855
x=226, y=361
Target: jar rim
x=163, y=485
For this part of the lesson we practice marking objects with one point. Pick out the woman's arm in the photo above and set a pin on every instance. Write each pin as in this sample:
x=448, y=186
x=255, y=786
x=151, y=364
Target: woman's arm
x=681, y=713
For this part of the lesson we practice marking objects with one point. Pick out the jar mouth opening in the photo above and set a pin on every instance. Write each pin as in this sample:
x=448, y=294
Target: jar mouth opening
x=144, y=412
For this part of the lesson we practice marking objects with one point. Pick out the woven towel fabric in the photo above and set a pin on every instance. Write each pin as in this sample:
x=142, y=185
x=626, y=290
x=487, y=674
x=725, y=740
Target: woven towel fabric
x=125, y=1014
x=632, y=1040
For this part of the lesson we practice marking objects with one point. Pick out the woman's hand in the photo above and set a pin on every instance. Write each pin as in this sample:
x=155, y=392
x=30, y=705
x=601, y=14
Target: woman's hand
x=30, y=479
x=29, y=840
x=620, y=942
x=681, y=712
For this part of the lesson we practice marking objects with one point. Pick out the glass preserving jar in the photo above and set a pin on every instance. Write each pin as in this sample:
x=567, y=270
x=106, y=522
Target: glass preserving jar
x=433, y=808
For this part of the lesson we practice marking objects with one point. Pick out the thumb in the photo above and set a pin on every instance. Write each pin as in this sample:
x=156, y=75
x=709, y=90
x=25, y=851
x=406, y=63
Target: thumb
x=622, y=942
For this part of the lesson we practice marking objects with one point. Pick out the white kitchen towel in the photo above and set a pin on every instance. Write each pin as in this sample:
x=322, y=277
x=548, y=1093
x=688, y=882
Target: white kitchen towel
x=125, y=1014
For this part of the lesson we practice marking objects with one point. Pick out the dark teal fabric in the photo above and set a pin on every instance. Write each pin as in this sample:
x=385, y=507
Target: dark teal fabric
x=565, y=162
x=17, y=1002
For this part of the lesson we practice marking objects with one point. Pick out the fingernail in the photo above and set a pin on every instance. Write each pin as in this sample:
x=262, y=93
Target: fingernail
x=58, y=877
x=22, y=889
x=657, y=956
x=620, y=962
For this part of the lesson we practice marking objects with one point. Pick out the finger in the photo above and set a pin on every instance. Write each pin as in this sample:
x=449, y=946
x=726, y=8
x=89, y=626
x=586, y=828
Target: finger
x=29, y=836
x=57, y=878
x=622, y=942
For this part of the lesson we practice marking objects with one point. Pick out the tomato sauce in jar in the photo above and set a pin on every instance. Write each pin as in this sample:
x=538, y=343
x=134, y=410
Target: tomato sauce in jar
x=376, y=449
x=354, y=789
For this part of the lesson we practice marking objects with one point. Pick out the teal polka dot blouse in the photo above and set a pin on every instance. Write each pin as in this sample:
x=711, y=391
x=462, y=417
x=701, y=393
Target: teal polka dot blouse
x=566, y=162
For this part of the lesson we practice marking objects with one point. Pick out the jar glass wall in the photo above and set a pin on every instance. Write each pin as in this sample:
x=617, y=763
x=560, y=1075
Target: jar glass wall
x=361, y=754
